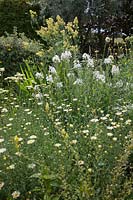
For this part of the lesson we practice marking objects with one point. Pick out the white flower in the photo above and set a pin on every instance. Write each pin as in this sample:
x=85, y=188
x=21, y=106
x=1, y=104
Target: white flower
x=128, y=122
x=38, y=96
x=30, y=141
x=39, y=75
x=121, y=55
x=114, y=138
x=52, y=70
x=94, y=120
x=57, y=145
x=1, y=140
x=70, y=74
x=2, y=150
x=111, y=57
x=77, y=64
x=99, y=76
x=16, y=106
x=56, y=59
x=36, y=88
x=96, y=73
x=80, y=162
x=115, y=70
x=19, y=75
x=20, y=139
x=29, y=87
x=66, y=55
x=1, y=185
x=110, y=134
x=15, y=194
x=90, y=170
x=10, y=119
x=33, y=137
x=11, y=166
x=2, y=69
x=75, y=99
x=110, y=127
x=31, y=166
x=85, y=131
x=59, y=85
x=103, y=118
x=107, y=39
x=4, y=110
x=3, y=91
x=118, y=113
x=78, y=82
x=93, y=138
x=49, y=78
x=74, y=142
x=90, y=62
x=40, y=103
x=86, y=56
x=8, y=125
x=27, y=110
x=88, y=59
x=119, y=83
x=18, y=154
x=108, y=60
x=99, y=146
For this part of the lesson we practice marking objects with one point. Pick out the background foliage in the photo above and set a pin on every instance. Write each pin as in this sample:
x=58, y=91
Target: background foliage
x=66, y=119
x=15, y=13
x=109, y=15
x=14, y=49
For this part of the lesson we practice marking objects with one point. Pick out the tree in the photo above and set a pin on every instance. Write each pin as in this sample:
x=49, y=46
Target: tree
x=108, y=15
x=92, y=15
x=15, y=13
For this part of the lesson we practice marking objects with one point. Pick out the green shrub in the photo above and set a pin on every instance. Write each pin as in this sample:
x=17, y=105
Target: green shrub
x=59, y=36
x=15, y=13
x=69, y=141
x=14, y=49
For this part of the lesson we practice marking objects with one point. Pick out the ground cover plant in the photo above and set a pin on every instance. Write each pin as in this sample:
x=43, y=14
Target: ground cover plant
x=66, y=125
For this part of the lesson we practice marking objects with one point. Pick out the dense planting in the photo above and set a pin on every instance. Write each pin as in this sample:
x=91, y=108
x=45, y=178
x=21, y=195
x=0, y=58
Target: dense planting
x=65, y=117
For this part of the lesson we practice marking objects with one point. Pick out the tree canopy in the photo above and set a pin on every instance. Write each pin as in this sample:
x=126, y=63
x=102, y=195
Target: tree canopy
x=109, y=15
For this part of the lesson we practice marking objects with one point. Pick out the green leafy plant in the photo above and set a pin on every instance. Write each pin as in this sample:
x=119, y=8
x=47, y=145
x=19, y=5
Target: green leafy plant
x=14, y=49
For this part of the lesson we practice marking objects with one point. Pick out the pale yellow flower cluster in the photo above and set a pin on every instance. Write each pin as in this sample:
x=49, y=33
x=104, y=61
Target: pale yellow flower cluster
x=58, y=32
